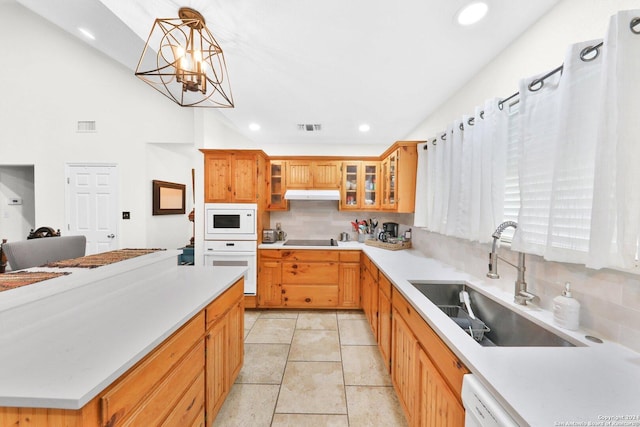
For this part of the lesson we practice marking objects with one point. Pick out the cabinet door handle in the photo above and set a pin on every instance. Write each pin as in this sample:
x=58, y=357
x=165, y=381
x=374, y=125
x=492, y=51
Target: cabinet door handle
x=307, y=300
x=294, y=266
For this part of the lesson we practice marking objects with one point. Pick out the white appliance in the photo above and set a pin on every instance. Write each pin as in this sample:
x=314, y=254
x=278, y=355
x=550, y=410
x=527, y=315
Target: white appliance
x=481, y=408
x=231, y=239
x=240, y=253
x=230, y=221
x=312, y=195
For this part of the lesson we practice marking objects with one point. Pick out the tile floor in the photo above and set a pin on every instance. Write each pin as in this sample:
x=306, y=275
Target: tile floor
x=310, y=368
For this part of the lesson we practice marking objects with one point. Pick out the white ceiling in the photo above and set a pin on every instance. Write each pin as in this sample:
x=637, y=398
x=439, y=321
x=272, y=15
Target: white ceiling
x=338, y=63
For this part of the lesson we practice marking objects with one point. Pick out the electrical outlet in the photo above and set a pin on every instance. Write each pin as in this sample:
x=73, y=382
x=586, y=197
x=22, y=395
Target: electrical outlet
x=126, y=215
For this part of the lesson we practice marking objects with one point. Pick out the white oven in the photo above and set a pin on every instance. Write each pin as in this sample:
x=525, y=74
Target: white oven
x=230, y=221
x=226, y=253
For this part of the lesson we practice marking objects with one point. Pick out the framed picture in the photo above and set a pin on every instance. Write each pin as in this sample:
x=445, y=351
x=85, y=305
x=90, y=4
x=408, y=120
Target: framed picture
x=168, y=198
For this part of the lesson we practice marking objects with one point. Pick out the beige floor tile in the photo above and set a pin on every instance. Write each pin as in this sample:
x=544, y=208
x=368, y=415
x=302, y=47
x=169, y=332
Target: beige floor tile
x=248, y=405
x=308, y=420
x=263, y=363
x=250, y=317
x=351, y=314
x=363, y=365
x=374, y=406
x=278, y=314
x=312, y=388
x=355, y=332
x=315, y=346
x=271, y=331
x=315, y=320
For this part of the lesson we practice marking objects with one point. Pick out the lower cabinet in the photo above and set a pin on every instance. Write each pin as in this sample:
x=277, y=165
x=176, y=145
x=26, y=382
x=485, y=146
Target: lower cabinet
x=427, y=376
x=182, y=382
x=308, y=278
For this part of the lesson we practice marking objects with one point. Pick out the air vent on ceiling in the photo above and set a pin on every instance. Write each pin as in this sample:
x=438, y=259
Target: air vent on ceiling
x=86, y=126
x=310, y=127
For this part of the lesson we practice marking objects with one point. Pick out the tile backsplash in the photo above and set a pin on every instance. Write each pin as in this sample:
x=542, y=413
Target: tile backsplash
x=322, y=219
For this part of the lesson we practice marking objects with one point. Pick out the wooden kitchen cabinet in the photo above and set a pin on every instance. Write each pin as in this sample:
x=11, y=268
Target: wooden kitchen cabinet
x=370, y=294
x=349, y=279
x=359, y=190
x=308, y=278
x=398, y=177
x=427, y=376
x=276, y=186
x=224, y=339
x=313, y=174
x=232, y=176
x=384, y=319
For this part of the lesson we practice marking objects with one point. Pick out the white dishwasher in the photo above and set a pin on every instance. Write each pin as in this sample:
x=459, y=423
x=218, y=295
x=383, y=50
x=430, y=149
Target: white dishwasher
x=481, y=408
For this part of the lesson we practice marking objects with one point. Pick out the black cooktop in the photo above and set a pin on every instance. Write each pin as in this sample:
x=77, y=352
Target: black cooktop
x=323, y=242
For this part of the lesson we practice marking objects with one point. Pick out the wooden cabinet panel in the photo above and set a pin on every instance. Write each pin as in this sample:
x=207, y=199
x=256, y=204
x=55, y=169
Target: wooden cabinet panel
x=310, y=273
x=311, y=255
x=349, y=285
x=300, y=296
x=236, y=339
x=218, y=308
x=233, y=176
x=299, y=174
x=217, y=178
x=120, y=400
x=269, y=283
x=164, y=396
x=244, y=170
x=313, y=174
x=360, y=185
x=326, y=174
x=436, y=405
x=350, y=256
x=384, y=327
x=216, y=367
x=190, y=409
x=402, y=359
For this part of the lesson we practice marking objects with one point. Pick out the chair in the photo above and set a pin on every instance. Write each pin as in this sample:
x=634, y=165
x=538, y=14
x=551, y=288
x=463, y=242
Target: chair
x=36, y=252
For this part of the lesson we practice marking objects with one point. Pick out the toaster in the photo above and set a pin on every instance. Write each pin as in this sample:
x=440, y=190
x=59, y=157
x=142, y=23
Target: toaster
x=269, y=236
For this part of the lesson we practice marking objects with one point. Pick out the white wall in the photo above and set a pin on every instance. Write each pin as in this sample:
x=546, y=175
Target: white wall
x=610, y=300
x=51, y=80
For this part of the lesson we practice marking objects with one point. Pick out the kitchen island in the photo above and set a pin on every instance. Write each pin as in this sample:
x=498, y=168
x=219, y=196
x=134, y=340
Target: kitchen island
x=539, y=386
x=76, y=344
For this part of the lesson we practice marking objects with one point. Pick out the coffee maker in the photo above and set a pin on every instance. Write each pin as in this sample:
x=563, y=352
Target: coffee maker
x=390, y=229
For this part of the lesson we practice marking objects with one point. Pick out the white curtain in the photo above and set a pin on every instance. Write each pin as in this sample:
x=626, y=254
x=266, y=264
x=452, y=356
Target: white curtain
x=615, y=227
x=572, y=185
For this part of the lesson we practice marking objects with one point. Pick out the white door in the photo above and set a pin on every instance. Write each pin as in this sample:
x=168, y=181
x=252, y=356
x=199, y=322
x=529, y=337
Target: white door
x=92, y=205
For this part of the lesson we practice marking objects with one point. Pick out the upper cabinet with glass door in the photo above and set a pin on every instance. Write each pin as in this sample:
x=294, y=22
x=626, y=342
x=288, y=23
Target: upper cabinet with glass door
x=360, y=185
x=398, y=175
x=276, y=186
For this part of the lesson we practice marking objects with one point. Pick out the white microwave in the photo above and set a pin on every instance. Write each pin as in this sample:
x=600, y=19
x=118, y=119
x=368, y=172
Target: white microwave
x=231, y=221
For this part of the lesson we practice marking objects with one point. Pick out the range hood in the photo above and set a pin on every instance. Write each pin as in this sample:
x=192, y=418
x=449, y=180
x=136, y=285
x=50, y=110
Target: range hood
x=312, y=195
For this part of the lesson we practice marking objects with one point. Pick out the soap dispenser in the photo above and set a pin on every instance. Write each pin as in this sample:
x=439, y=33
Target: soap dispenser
x=566, y=310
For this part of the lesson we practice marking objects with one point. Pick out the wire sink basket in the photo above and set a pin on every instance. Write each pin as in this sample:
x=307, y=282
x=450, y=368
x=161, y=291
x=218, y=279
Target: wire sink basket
x=474, y=327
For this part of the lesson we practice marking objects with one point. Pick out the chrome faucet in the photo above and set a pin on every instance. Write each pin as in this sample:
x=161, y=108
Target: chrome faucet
x=521, y=296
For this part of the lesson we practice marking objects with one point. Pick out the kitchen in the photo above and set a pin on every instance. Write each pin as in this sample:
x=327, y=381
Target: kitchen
x=169, y=141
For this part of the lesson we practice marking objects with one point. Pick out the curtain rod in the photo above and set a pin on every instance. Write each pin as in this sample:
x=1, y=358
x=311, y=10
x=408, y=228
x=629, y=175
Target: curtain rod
x=587, y=54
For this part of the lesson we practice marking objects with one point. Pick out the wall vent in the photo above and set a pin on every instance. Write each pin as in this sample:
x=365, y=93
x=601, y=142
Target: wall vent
x=86, y=126
x=310, y=127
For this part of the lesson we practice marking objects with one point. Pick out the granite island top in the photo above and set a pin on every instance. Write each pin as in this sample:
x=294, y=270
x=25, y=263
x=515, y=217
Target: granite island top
x=64, y=340
x=539, y=386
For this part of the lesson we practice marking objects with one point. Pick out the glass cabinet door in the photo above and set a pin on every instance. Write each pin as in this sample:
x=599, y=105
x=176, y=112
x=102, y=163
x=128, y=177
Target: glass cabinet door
x=369, y=185
x=350, y=188
x=277, y=187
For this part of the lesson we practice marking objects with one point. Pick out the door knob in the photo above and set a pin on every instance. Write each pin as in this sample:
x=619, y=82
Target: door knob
x=111, y=236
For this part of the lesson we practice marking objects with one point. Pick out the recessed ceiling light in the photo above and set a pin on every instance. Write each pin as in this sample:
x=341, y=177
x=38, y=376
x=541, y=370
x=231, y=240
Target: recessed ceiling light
x=87, y=33
x=472, y=13
x=254, y=127
x=364, y=127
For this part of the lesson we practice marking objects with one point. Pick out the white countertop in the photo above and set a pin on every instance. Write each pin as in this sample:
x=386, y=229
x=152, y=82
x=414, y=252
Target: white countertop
x=539, y=386
x=350, y=245
x=59, y=349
